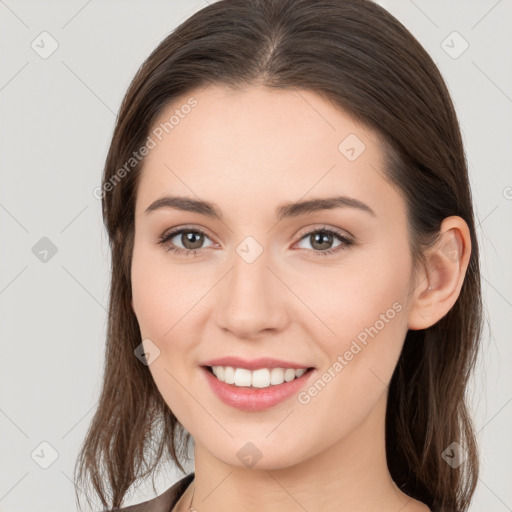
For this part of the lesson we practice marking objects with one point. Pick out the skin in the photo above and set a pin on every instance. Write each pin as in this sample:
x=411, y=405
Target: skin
x=249, y=152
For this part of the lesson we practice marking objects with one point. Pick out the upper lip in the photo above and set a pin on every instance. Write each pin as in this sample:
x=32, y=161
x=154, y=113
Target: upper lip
x=254, y=364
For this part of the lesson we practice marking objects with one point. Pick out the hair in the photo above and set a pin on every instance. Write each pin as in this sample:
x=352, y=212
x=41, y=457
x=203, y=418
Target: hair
x=356, y=55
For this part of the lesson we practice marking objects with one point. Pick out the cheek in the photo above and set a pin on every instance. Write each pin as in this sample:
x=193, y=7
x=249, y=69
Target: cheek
x=161, y=293
x=167, y=304
x=358, y=296
x=162, y=304
x=364, y=306
x=370, y=324
x=150, y=300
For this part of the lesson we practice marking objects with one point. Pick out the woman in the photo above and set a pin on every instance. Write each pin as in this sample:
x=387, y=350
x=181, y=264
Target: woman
x=295, y=276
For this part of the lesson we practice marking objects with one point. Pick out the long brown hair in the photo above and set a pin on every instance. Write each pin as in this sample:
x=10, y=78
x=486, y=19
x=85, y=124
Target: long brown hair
x=363, y=60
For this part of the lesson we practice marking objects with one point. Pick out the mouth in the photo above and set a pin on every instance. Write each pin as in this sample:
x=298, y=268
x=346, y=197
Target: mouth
x=260, y=378
x=256, y=390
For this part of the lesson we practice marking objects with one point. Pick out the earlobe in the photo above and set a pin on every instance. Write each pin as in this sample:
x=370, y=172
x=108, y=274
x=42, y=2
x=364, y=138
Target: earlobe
x=439, y=286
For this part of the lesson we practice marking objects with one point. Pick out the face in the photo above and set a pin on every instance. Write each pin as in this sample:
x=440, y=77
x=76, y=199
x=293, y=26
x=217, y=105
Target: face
x=321, y=287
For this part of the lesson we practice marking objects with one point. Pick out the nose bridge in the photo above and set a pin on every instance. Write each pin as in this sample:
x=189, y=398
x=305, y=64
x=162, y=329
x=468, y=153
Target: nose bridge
x=251, y=299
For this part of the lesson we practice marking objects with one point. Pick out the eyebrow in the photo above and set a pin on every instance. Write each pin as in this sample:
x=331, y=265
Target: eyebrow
x=292, y=209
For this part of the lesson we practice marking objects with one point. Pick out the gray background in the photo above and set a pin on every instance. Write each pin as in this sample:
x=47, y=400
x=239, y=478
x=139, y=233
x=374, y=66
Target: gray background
x=57, y=119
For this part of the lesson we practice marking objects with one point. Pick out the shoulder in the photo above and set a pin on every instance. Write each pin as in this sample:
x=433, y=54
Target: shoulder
x=164, y=502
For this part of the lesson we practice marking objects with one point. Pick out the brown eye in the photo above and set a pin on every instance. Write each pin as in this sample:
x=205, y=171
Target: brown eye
x=321, y=241
x=191, y=239
x=184, y=241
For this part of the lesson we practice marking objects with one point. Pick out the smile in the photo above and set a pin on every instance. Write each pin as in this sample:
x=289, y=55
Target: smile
x=273, y=385
x=260, y=378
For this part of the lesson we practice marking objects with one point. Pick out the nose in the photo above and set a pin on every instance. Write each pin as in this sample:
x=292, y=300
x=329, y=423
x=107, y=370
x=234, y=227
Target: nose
x=251, y=298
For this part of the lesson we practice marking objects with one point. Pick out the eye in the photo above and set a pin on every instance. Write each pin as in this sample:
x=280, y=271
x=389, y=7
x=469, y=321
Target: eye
x=192, y=240
x=321, y=241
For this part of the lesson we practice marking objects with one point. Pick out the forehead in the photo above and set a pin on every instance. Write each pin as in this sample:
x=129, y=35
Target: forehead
x=259, y=145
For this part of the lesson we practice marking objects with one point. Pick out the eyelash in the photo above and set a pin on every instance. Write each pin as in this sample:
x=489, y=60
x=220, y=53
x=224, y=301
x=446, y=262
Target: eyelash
x=346, y=242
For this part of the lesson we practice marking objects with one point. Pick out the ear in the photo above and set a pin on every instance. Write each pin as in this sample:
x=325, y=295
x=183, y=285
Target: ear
x=438, y=286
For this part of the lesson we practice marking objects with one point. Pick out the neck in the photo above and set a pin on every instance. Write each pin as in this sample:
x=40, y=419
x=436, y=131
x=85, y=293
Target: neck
x=351, y=475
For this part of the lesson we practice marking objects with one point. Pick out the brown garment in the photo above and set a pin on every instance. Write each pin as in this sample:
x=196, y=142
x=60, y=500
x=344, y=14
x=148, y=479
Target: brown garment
x=165, y=502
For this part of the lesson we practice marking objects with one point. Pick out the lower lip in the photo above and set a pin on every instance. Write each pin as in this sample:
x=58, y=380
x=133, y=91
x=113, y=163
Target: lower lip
x=255, y=399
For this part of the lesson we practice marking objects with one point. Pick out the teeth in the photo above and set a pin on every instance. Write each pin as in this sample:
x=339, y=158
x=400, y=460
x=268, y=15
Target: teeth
x=261, y=378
